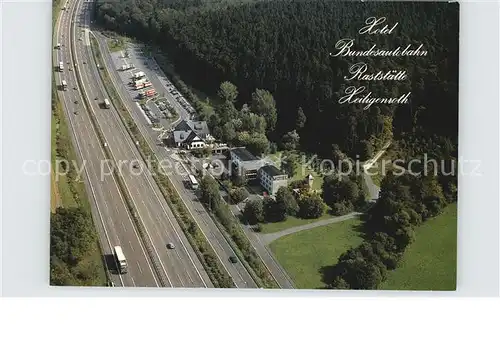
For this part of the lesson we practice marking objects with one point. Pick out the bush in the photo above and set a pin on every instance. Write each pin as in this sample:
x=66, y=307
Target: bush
x=239, y=194
x=311, y=206
x=342, y=208
x=254, y=211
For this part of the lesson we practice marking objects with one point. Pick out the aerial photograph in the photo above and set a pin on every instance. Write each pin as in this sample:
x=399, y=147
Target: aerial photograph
x=254, y=144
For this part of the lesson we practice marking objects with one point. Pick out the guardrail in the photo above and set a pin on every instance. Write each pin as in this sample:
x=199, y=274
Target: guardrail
x=130, y=207
x=214, y=271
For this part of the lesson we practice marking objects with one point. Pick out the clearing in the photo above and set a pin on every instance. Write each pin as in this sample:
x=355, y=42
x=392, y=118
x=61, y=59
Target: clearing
x=306, y=254
x=430, y=263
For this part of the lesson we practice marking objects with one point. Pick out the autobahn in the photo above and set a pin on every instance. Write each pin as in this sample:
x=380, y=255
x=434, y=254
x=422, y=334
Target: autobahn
x=216, y=239
x=204, y=221
x=109, y=211
x=223, y=250
x=181, y=266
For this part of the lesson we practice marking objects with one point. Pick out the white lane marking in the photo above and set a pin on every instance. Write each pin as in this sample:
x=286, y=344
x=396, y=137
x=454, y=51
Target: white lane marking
x=133, y=282
x=132, y=247
x=139, y=266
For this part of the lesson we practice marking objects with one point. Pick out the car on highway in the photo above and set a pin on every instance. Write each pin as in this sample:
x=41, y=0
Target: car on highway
x=170, y=246
x=71, y=69
x=233, y=259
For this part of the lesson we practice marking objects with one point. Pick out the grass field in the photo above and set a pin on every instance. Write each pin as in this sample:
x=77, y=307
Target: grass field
x=268, y=228
x=430, y=263
x=304, y=254
x=299, y=174
x=60, y=190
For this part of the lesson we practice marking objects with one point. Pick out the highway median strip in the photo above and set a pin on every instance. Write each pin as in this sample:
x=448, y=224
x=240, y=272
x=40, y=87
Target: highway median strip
x=218, y=275
x=77, y=195
x=159, y=272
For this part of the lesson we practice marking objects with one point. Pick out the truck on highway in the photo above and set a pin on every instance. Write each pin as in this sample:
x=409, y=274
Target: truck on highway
x=61, y=66
x=106, y=103
x=127, y=67
x=64, y=85
x=121, y=261
x=147, y=93
x=58, y=46
x=193, y=182
x=138, y=75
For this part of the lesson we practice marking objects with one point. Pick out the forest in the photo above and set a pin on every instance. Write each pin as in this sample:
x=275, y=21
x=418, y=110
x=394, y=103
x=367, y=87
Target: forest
x=269, y=65
x=283, y=47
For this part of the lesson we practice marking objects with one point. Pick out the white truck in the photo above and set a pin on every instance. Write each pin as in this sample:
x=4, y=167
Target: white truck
x=141, y=81
x=127, y=67
x=58, y=46
x=138, y=75
x=121, y=261
x=106, y=103
x=61, y=66
x=64, y=85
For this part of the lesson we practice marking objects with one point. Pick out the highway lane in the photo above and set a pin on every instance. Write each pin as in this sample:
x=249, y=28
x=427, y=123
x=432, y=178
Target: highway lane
x=160, y=81
x=189, y=198
x=215, y=238
x=108, y=208
x=181, y=264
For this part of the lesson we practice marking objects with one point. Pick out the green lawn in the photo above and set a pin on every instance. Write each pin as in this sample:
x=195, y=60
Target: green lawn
x=304, y=254
x=290, y=222
x=430, y=263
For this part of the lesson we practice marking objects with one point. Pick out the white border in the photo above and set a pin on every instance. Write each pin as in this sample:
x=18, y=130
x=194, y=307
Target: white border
x=26, y=58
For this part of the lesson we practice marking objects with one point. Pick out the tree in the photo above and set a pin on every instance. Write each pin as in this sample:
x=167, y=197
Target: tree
x=263, y=104
x=311, y=206
x=210, y=192
x=340, y=191
x=228, y=132
x=226, y=112
x=301, y=119
x=254, y=211
x=361, y=274
x=253, y=123
x=73, y=243
x=256, y=143
x=339, y=283
x=239, y=194
x=289, y=164
x=286, y=201
x=72, y=237
x=272, y=211
x=290, y=140
x=228, y=92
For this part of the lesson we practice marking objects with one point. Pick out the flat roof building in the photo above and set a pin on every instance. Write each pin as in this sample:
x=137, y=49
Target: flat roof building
x=272, y=178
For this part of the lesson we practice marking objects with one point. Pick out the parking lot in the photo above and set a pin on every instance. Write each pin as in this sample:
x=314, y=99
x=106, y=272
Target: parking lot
x=167, y=94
